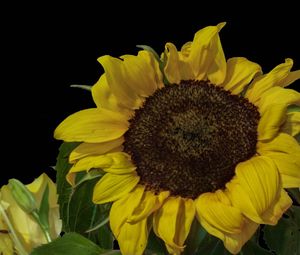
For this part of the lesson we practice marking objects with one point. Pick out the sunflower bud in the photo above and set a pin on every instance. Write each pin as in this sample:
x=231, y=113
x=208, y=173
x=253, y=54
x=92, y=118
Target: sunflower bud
x=22, y=196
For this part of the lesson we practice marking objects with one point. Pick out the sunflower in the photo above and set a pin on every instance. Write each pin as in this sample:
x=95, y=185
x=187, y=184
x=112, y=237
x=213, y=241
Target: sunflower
x=186, y=136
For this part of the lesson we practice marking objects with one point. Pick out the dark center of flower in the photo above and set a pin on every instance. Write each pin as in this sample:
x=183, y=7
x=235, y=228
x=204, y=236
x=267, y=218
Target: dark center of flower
x=188, y=138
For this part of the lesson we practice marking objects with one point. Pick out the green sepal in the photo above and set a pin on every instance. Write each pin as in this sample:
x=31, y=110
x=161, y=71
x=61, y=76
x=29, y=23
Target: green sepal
x=150, y=49
x=293, y=108
x=44, y=209
x=84, y=87
x=70, y=244
x=162, y=63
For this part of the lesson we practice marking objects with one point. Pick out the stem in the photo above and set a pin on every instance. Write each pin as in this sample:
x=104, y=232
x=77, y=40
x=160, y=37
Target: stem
x=13, y=234
x=42, y=226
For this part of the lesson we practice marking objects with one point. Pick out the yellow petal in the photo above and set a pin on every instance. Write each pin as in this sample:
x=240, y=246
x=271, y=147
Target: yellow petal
x=103, y=96
x=240, y=71
x=272, y=108
x=221, y=219
x=92, y=149
x=199, y=59
x=289, y=181
x=217, y=70
x=131, y=78
x=115, y=163
x=142, y=73
x=292, y=124
x=92, y=126
x=270, y=122
x=149, y=203
x=176, y=68
x=275, y=77
x=122, y=209
x=172, y=222
x=112, y=187
x=278, y=96
x=27, y=230
x=206, y=54
x=6, y=244
x=133, y=238
x=186, y=49
x=284, y=150
x=275, y=211
x=219, y=215
x=114, y=71
x=292, y=76
x=233, y=242
x=256, y=190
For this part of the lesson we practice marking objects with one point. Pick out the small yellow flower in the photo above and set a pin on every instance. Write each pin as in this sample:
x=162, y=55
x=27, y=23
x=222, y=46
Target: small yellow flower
x=6, y=244
x=27, y=230
x=216, y=143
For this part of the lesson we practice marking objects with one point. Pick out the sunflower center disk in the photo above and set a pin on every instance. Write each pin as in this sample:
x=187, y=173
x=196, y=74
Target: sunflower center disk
x=188, y=138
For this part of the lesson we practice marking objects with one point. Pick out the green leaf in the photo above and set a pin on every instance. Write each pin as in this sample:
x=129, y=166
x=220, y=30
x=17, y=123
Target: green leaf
x=70, y=244
x=211, y=245
x=297, y=137
x=155, y=245
x=77, y=211
x=195, y=238
x=284, y=238
x=251, y=248
x=295, y=193
x=83, y=214
x=44, y=208
x=106, y=239
x=63, y=187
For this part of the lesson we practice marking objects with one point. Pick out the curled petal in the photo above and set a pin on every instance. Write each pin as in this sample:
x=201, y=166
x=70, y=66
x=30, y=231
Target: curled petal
x=284, y=150
x=104, y=97
x=149, y=204
x=292, y=123
x=122, y=209
x=240, y=71
x=176, y=68
x=133, y=237
x=116, y=163
x=256, y=191
x=172, y=222
x=276, y=77
x=92, y=149
x=272, y=107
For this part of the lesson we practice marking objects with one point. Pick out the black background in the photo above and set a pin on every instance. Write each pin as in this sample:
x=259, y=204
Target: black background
x=48, y=48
